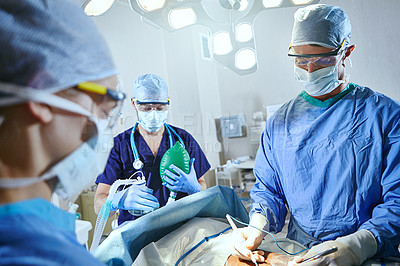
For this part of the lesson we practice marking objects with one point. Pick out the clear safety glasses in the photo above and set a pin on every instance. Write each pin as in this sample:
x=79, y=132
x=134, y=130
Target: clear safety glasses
x=112, y=102
x=319, y=62
x=146, y=107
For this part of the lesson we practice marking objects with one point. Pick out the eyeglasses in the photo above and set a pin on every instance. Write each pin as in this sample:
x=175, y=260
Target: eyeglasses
x=319, y=62
x=331, y=53
x=146, y=107
x=109, y=110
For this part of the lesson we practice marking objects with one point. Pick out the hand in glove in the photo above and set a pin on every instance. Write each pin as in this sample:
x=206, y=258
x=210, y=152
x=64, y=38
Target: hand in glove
x=181, y=181
x=136, y=197
x=353, y=249
x=249, y=238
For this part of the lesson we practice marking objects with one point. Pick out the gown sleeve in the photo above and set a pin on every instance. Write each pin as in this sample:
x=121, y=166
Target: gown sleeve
x=266, y=194
x=385, y=220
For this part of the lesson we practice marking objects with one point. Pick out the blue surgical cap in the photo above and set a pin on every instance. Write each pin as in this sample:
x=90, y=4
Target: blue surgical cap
x=150, y=88
x=50, y=45
x=321, y=24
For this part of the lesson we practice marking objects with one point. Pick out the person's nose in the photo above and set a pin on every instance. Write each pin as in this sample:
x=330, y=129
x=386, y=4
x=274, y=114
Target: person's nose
x=311, y=67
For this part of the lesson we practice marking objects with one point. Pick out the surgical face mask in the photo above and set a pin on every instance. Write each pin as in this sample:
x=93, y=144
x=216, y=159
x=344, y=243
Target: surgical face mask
x=80, y=167
x=152, y=121
x=319, y=82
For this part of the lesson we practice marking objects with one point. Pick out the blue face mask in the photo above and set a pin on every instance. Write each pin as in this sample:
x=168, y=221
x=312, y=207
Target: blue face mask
x=319, y=82
x=152, y=121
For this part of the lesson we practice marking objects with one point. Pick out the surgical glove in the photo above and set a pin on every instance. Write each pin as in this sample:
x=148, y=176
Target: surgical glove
x=181, y=181
x=250, y=238
x=136, y=197
x=353, y=249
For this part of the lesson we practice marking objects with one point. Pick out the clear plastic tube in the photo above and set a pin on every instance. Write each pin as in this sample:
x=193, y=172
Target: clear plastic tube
x=106, y=208
x=100, y=224
x=172, y=196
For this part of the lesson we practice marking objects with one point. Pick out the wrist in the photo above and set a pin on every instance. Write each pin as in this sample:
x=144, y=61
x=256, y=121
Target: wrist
x=362, y=243
x=196, y=188
x=259, y=221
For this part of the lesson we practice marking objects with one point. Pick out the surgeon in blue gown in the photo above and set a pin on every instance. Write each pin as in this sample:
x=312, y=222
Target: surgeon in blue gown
x=331, y=156
x=55, y=134
x=151, y=140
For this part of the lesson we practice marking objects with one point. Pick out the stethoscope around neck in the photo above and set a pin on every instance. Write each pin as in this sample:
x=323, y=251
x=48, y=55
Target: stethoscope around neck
x=137, y=163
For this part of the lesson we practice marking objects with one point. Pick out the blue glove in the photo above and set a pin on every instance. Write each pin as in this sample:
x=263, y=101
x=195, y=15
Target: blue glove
x=136, y=197
x=181, y=181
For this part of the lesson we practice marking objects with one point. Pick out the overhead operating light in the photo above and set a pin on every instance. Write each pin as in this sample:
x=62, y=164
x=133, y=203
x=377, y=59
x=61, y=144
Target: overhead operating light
x=244, y=32
x=229, y=23
x=96, y=7
x=245, y=59
x=301, y=2
x=271, y=3
x=151, y=5
x=222, y=43
x=182, y=17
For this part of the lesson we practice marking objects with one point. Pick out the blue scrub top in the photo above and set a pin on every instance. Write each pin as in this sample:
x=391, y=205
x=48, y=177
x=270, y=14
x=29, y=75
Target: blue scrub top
x=335, y=164
x=35, y=232
x=119, y=165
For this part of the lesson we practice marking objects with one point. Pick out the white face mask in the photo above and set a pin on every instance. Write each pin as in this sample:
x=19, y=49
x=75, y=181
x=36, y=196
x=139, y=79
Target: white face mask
x=319, y=82
x=80, y=167
x=152, y=121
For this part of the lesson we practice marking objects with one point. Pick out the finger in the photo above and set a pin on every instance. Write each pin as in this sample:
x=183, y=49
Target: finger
x=171, y=175
x=176, y=169
x=192, y=164
x=153, y=203
x=169, y=180
x=171, y=187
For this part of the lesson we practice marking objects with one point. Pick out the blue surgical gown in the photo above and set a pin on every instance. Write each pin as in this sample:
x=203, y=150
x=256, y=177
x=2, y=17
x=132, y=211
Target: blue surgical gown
x=119, y=165
x=335, y=164
x=35, y=232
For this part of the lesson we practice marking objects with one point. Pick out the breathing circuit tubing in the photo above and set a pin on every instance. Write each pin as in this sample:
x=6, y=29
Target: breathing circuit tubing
x=102, y=217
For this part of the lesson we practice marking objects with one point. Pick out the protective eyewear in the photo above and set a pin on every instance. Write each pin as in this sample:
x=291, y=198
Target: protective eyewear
x=319, y=62
x=146, y=107
x=335, y=52
x=110, y=113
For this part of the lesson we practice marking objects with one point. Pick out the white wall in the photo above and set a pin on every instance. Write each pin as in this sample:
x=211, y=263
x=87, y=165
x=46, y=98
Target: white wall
x=201, y=91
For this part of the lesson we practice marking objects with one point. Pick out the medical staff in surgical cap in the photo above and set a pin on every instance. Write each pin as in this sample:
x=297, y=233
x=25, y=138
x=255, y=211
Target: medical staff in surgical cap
x=57, y=96
x=331, y=155
x=140, y=150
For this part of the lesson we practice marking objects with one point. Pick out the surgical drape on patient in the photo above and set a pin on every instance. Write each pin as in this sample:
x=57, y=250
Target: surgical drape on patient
x=123, y=244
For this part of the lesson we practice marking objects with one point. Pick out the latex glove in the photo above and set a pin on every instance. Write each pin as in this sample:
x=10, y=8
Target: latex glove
x=181, y=181
x=250, y=238
x=353, y=249
x=136, y=197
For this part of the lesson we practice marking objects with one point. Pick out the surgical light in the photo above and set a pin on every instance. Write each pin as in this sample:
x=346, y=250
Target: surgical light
x=301, y=2
x=245, y=59
x=222, y=43
x=229, y=23
x=271, y=3
x=244, y=32
x=97, y=7
x=179, y=18
x=243, y=5
x=151, y=5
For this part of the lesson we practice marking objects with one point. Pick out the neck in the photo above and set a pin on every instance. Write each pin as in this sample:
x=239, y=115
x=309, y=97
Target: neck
x=22, y=155
x=332, y=94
